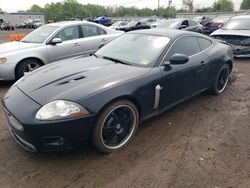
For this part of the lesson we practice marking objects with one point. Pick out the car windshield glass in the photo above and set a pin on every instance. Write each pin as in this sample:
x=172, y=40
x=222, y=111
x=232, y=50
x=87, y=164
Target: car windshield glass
x=169, y=24
x=135, y=49
x=116, y=23
x=40, y=34
x=132, y=23
x=238, y=24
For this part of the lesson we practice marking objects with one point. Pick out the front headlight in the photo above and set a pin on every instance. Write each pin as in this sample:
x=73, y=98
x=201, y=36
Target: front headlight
x=60, y=109
x=3, y=60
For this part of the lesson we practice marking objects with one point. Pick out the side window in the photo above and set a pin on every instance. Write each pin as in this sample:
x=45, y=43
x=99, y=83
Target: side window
x=204, y=43
x=192, y=23
x=89, y=30
x=185, y=22
x=102, y=32
x=123, y=23
x=68, y=33
x=187, y=45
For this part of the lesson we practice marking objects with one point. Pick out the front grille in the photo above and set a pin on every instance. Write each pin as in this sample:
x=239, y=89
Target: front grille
x=235, y=40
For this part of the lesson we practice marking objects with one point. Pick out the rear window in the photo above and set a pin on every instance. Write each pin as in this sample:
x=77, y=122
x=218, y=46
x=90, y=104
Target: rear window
x=186, y=45
x=204, y=43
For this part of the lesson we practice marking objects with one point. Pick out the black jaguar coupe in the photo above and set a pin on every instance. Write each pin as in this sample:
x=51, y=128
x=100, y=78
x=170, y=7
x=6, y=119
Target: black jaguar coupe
x=103, y=98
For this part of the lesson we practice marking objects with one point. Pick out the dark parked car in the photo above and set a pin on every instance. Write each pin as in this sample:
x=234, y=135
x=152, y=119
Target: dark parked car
x=135, y=25
x=237, y=33
x=20, y=25
x=6, y=26
x=104, y=97
x=104, y=21
x=182, y=24
x=215, y=24
x=201, y=19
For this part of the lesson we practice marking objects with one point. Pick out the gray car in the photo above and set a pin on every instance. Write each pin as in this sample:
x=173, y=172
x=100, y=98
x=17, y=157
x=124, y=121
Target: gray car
x=182, y=24
x=50, y=43
x=236, y=32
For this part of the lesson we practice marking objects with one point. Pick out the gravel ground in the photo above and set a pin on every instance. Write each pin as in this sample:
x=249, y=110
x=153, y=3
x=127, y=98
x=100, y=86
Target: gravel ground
x=203, y=142
x=4, y=35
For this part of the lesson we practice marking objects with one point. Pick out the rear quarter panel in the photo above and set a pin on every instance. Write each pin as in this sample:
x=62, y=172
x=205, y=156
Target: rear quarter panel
x=218, y=54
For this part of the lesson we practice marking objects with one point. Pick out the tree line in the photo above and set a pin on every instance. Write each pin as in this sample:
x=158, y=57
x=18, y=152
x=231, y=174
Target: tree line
x=71, y=8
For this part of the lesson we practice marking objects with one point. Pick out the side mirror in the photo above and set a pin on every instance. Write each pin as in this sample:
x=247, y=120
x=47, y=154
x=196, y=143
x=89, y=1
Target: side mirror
x=55, y=41
x=179, y=59
x=183, y=27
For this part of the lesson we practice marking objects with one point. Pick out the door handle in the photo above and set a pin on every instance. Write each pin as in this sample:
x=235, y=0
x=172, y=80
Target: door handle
x=77, y=44
x=104, y=40
x=203, y=63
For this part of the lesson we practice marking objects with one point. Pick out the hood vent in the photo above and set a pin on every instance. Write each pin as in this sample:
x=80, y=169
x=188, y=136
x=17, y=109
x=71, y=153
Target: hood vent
x=70, y=80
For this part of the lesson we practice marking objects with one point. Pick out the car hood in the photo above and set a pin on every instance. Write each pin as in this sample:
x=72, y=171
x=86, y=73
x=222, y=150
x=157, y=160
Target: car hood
x=9, y=47
x=76, y=78
x=231, y=32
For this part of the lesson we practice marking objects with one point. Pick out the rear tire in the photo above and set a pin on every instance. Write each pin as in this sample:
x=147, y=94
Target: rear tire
x=221, y=80
x=116, y=126
x=27, y=66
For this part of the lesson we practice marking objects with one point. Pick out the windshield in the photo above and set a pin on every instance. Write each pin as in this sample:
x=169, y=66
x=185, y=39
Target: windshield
x=135, y=49
x=118, y=23
x=39, y=35
x=132, y=23
x=238, y=24
x=169, y=24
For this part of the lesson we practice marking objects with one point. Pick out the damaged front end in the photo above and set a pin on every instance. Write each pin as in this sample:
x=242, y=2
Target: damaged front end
x=240, y=44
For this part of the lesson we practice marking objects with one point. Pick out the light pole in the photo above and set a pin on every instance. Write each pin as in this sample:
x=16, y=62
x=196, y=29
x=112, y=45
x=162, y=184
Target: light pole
x=158, y=14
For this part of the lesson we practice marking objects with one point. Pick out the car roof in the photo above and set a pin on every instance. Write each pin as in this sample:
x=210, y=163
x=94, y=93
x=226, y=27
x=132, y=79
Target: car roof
x=65, y=23
x=171, y=33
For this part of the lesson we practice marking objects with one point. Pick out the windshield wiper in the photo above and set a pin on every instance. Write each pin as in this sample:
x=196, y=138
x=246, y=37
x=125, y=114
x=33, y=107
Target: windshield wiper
x=116, y=60
x=24, y=41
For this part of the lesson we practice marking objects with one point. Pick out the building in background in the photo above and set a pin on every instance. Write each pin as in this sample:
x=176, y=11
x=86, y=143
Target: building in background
x=19, y=17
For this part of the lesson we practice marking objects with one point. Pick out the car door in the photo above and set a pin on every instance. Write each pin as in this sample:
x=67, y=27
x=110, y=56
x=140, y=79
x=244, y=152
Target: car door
x=93, y=38
x=192, y=26
x=70, y=46
x=182, y=81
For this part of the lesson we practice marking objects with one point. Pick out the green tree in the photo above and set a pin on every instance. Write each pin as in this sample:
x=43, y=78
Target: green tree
x=245, y=4
x=35, y=8
x=72, y=9
x=205, y=9
x=189, y=4
x=223, y=5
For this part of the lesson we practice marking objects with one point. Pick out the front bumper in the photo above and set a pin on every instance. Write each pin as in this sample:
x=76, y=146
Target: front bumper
x=7, y=71
x=34, y=135
x=241, y=51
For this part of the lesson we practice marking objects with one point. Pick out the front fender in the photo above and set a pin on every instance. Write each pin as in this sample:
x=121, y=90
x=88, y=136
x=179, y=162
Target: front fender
x=141, y=91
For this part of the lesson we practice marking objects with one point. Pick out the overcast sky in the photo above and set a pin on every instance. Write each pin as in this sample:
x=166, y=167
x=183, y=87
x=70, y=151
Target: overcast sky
x=15, y=5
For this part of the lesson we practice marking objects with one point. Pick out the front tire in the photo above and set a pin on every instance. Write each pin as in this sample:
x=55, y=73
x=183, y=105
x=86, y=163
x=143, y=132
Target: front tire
x=26, y=67
x=221, y=80
x=116, y=126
